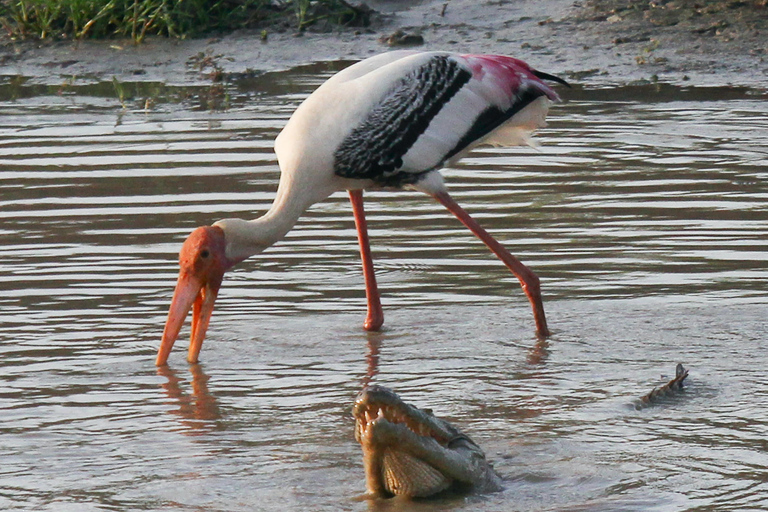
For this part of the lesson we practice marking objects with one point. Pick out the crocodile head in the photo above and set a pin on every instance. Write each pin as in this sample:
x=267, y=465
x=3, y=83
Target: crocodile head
x=409, y=452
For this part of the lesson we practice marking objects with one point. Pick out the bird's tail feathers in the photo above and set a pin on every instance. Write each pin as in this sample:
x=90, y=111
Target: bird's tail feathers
x=518, y=130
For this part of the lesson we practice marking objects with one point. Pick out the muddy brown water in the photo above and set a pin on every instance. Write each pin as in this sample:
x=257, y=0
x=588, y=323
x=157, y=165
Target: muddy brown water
x=644, y=212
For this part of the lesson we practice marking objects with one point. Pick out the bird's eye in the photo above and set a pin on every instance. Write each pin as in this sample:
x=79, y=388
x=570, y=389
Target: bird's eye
x=205, y=253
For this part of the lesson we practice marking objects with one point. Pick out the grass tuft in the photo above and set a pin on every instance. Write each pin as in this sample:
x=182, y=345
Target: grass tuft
x=41, y=19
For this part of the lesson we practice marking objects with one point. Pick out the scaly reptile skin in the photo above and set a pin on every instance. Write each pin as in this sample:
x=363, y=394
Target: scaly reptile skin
x=409, y=452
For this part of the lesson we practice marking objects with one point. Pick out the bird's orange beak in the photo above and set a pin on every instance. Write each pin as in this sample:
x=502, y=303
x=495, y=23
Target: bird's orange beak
x=203, y=263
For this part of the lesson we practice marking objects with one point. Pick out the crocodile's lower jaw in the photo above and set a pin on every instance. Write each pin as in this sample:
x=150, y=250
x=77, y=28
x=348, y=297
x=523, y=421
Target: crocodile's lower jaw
x=405, y=475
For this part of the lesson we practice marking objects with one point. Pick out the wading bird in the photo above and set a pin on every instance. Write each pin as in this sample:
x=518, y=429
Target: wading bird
x=392, y=120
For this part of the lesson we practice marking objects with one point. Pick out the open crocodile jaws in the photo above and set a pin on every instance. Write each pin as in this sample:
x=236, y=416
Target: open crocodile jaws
x=409, y=452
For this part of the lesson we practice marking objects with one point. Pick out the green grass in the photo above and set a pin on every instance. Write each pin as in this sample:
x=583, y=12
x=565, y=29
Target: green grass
x=25, y=19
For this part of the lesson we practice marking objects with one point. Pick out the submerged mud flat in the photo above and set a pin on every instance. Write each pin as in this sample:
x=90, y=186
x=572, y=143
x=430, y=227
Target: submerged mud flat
x=642, y=212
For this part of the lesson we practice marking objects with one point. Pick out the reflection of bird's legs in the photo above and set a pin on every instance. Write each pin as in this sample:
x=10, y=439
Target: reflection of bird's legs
x=539, y=353
x=372, y=358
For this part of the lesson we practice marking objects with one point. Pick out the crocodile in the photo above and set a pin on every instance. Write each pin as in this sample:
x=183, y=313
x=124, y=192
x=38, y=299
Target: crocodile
x=410, y=452
x=668, y=389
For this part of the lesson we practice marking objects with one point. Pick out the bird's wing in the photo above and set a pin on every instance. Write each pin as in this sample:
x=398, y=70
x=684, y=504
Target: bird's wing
x=368, y=65
x=374, y=149
x=437, y=110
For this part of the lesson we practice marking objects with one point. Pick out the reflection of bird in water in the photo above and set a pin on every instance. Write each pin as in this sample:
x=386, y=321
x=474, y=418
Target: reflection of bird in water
x=539, y=353
x=196, y=410
x=372, y=359
x=389, y=121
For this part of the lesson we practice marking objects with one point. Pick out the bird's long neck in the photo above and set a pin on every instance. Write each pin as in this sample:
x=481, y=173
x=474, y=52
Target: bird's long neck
x=245, y=238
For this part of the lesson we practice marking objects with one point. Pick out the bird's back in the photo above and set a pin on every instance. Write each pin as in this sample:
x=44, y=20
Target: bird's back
x=391, y=118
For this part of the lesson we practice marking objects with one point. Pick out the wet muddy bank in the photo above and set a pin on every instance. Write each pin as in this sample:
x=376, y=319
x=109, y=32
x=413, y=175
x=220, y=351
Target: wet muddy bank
x=595, y=42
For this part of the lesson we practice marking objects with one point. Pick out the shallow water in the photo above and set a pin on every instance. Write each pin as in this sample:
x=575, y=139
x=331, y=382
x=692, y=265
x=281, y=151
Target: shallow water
x=644, y=213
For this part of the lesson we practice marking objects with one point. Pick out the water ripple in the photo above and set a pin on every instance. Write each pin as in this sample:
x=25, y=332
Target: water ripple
x=643, y=212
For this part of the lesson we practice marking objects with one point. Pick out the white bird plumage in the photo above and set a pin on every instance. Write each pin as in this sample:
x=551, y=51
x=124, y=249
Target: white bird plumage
x=402, y=116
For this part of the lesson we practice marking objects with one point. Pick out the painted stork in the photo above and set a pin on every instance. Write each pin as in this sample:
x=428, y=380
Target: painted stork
x=392, y=120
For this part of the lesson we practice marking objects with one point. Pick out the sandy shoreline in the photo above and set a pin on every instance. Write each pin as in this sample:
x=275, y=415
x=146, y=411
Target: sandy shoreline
x=588, y=44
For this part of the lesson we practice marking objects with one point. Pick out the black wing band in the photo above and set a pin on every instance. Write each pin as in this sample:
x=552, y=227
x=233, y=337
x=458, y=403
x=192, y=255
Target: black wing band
x=375, y=148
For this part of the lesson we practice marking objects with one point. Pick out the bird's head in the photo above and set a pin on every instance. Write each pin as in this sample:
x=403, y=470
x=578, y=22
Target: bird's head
x=203, y=262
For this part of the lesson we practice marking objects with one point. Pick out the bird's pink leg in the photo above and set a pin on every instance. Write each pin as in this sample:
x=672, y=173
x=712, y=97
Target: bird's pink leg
x=528, y=280
x=375, y=318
